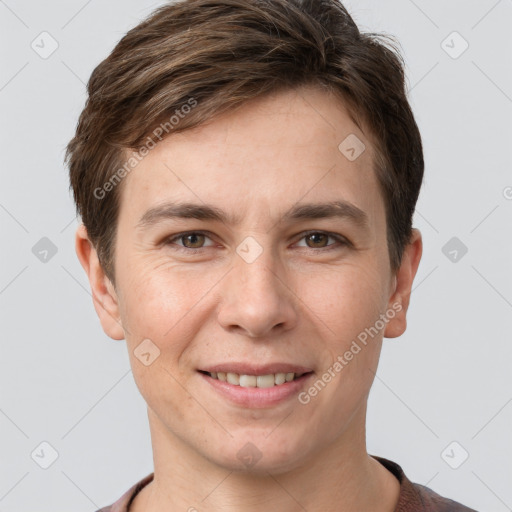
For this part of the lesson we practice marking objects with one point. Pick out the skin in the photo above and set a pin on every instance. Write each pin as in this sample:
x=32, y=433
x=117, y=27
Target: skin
x=303, y=301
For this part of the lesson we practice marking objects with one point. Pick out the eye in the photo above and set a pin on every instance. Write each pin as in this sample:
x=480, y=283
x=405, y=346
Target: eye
x=193, y=240
x=319, y=239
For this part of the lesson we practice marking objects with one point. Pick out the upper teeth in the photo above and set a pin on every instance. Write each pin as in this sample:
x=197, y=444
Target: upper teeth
x=255, y=381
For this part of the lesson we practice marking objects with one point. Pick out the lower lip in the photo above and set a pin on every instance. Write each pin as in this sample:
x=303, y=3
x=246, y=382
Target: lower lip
x=257, y=398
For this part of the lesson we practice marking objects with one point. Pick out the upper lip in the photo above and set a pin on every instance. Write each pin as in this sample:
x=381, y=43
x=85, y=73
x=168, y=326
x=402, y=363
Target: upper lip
x=252, y=369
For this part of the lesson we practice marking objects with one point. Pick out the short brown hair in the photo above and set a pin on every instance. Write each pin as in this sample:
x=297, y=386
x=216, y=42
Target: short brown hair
x=221, y=53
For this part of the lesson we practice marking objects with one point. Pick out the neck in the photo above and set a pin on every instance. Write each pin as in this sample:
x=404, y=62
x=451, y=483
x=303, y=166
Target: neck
x=341, y=477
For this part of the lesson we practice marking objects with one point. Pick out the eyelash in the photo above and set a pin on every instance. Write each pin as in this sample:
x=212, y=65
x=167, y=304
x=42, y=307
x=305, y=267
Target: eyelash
x=340, y=239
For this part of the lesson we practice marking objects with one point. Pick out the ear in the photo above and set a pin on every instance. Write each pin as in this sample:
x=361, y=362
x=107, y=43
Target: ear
x=103, y=293
x=404, y=277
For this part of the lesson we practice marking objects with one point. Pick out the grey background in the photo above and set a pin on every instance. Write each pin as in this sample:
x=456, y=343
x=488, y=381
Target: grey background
x=448, y=378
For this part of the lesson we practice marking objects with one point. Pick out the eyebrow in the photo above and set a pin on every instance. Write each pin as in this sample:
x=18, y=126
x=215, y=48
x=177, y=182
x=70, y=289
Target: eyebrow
x=333, y=209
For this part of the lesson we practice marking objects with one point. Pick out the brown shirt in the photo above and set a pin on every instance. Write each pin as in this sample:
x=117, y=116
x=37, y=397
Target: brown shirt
x=412, y=498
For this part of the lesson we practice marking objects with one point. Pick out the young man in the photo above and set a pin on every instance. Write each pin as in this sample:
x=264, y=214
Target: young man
x=246, y=172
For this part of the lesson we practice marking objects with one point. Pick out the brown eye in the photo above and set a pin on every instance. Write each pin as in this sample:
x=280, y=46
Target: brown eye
x=323, y=240
x=190, y=242
x=317, y=239
x=194, y=240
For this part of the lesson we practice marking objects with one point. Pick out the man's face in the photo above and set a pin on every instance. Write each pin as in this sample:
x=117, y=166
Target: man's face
x=272, y=289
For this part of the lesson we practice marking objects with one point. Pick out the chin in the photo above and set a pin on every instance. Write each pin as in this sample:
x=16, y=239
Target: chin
x=275, y=464
x=259, y=455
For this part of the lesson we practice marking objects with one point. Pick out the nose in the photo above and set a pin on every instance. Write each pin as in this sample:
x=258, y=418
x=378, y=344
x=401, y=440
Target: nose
x=257, y=298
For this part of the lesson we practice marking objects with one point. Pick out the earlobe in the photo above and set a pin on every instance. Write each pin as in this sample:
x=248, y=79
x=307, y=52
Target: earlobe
x=103, y=293
x=399, y=300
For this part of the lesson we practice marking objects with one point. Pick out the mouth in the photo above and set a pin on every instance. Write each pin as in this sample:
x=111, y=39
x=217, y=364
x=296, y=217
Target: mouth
x=256, y=387
x=268, y=380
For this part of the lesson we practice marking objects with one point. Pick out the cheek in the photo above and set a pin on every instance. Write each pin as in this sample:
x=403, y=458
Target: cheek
x=347, y=299
x=160, y=316
x=157, y=296
x=152, y=312
x=347, y=306
x=167, y=305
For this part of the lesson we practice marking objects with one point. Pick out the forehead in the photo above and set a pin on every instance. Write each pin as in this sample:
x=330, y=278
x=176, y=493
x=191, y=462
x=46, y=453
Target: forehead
x=272, y=152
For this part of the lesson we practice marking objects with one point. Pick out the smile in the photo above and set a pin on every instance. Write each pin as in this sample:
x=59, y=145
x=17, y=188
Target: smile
x=257, y=391
x=255, y=381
